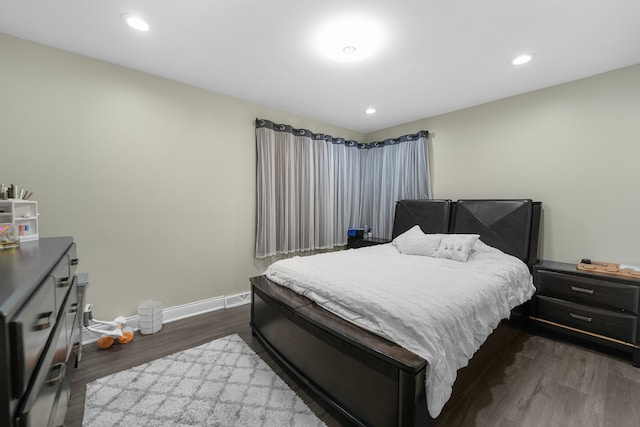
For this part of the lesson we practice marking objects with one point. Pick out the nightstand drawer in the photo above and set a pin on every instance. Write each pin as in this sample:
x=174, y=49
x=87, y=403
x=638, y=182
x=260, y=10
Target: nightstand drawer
x=610, y=324
x=588, y=290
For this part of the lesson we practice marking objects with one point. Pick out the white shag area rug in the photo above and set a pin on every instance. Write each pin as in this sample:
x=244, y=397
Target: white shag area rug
x=221, y=383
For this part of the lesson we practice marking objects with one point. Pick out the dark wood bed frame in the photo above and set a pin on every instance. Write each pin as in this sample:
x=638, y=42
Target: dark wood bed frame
x=371, y=380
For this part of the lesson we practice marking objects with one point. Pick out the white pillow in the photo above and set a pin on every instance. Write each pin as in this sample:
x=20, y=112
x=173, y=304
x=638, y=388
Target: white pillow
x=415, y=242
x=456, y=247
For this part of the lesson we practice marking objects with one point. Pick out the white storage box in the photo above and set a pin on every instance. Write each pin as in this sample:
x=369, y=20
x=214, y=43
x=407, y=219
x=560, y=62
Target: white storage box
x=150, y=316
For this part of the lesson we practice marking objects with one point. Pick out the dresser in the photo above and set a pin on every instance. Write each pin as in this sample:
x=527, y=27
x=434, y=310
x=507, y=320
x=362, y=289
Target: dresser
x=596, y=307
x=40, y=327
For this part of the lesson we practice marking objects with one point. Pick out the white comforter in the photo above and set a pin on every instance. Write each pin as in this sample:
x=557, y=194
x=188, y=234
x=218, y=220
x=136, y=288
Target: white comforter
x=440, y=309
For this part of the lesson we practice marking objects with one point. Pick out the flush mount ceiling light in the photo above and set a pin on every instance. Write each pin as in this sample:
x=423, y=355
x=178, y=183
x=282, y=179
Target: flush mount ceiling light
x=370, y=110
x=522, y=59
x=135, y=22
x=348, y=50
x=350, y=38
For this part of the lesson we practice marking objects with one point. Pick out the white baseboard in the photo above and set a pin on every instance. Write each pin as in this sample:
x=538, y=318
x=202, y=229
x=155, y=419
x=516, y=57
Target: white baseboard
x=178, y=312
x=237, y=299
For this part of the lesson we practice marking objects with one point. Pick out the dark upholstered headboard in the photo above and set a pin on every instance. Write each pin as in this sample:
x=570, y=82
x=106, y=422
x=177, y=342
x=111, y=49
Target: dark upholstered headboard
x=431, y=215
x=513, y=226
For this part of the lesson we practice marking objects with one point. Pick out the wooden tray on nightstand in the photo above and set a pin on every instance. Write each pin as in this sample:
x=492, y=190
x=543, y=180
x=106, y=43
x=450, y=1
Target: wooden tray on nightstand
x=609, y=268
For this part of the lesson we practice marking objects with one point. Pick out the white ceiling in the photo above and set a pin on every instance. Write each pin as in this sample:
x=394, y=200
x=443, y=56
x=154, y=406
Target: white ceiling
x=437, y=55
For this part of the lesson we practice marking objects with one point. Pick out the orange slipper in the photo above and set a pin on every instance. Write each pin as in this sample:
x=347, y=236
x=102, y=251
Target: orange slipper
x=126, y=337
x=105, y=342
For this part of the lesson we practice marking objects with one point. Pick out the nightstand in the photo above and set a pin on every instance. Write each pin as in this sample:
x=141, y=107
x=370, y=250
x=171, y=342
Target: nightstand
x=356, y=242
x=596, y=307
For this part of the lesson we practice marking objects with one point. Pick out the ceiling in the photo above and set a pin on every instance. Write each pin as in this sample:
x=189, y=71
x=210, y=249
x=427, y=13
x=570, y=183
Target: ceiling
x=433, y=56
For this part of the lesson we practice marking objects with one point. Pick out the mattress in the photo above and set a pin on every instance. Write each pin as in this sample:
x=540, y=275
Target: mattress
x=439, y=309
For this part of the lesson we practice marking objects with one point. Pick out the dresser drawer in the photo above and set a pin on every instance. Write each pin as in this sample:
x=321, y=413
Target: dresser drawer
x=63, y=273
x=30, y=330
x=48, y=383
x=608, y=323
x=589, y=291
x=73, y=315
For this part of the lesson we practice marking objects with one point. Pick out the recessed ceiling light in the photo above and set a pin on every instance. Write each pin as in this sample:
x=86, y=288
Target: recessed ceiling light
x=135, y=22
x=370, y=110
x=522, y=59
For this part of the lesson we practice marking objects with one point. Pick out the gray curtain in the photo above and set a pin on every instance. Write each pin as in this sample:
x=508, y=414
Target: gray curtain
x=311, y=188
x=392, y=170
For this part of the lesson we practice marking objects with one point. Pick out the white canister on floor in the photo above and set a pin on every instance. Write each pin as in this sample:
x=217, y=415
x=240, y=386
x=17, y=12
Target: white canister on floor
x=150, y=316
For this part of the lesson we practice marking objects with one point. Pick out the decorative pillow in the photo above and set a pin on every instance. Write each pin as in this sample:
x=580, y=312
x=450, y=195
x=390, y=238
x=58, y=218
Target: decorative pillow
x=415, y=242
x=456, y=247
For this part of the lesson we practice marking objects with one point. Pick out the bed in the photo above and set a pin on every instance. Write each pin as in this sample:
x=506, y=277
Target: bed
x=370, y=379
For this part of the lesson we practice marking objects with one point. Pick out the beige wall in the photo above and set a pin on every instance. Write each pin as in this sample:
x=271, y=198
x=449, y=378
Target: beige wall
x=575, y=147
x=155, y=180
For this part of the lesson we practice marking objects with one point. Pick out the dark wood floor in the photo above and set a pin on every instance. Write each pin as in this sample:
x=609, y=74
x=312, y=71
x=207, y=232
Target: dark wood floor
x=534, y=381
x=174, y=337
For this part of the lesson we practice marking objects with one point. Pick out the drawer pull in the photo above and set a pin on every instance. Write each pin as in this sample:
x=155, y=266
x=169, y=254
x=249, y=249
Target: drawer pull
x=63, y=283
x=62, y=369
x=583, y=290
x=43, y=321
x=73, y=308
x=74, y=261
x=579, y=317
